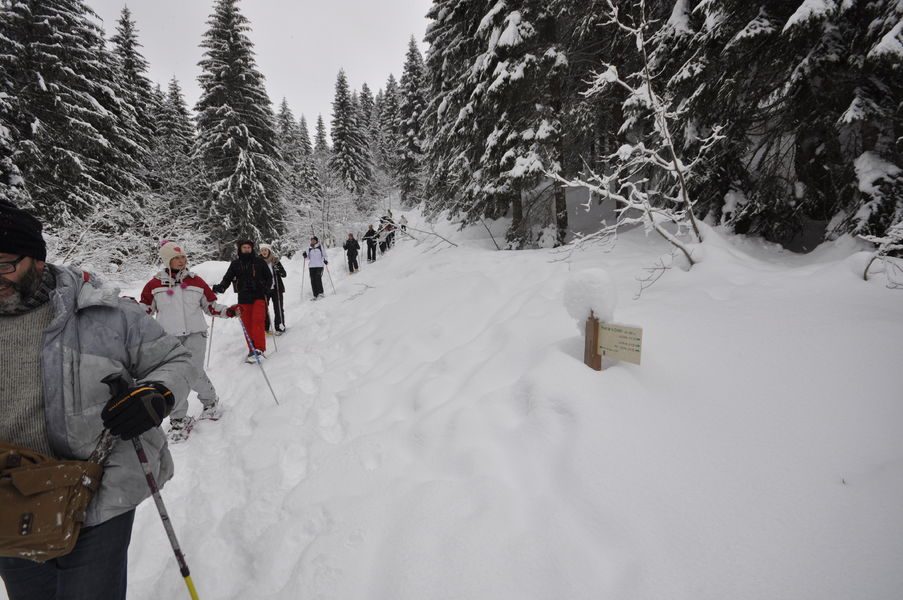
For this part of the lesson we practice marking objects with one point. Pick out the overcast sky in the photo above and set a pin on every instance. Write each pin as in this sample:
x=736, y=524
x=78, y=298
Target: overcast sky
x=300, y=44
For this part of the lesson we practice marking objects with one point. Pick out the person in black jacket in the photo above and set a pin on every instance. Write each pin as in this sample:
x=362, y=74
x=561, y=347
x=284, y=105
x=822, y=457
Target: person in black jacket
x=250, y=276
x=352, y=247
x=371, y=237
x=276, y=292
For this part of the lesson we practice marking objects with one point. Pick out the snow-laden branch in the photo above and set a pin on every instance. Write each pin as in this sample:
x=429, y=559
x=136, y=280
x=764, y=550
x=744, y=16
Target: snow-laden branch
x=626, y=180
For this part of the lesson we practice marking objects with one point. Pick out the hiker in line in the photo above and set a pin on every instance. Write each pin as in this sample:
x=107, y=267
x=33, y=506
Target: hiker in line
x=180, y=298
x=62, y=333
x=250, y=276
x=277, y=291
x=371, y=237
x=403, y=222
x=352, y=247
x=388, y=225
x=316, y=261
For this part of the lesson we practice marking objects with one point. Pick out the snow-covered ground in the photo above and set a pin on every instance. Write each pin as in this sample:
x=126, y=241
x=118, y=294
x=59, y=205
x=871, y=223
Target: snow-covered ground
x=439, y=437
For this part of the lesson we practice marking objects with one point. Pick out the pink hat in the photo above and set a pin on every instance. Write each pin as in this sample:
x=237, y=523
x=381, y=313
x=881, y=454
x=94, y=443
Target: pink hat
x=170, y=250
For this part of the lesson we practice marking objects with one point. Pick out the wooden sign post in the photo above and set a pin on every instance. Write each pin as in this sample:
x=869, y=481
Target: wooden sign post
x=611, y=341
x=591, y=355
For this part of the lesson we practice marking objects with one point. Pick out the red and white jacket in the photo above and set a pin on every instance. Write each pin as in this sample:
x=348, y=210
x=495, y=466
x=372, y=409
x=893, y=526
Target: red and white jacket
x=180, y=302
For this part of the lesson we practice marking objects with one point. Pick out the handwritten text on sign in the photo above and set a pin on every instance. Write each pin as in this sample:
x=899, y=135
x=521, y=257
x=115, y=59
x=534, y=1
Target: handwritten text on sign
x=620, y=342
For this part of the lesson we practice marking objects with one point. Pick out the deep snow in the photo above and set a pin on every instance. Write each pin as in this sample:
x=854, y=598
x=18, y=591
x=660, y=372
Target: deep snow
x=439, y=436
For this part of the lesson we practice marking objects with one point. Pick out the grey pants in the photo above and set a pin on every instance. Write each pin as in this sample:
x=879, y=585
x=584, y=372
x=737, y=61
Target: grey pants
x=197, y=345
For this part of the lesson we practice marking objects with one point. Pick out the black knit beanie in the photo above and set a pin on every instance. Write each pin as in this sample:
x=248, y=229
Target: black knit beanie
x=20, y=232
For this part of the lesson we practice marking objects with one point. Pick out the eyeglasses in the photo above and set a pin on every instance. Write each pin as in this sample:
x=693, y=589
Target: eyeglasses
x=10, y=267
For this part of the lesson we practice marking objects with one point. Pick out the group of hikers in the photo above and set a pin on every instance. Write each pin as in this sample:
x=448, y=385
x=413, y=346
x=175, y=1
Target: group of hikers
x=66, y=339
x=382, y=238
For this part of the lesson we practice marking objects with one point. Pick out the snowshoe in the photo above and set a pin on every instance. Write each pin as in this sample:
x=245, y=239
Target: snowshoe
x=180, y=429
x=211, y=413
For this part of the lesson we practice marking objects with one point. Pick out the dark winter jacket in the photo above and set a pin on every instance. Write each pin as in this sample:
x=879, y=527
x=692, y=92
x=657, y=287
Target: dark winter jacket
x=351, y=247
x=250, y=276
x=371, y=236
x=279, y=273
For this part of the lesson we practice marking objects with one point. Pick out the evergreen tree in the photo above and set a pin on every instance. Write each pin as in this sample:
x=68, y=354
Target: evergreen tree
x=387, y=141
x=411, y=113
x=304, y=136
x=237, y=143
x=321, y=146
x=133, y=68
x=366, y=109
x=456, y=129
x=68, y=125
x=292, y=151
x=350, y=161
x=173, y=166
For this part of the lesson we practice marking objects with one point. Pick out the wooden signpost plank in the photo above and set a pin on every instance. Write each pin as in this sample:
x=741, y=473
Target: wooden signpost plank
x=620, y=342
x=591, y=356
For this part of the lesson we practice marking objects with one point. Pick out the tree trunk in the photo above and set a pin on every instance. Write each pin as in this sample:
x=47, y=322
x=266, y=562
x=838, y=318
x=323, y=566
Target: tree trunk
x=515, y=234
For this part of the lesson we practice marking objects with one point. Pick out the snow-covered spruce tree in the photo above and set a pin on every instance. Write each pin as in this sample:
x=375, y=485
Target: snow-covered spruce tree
x=300, y=183
x=366, y=105
x=803, y=91
x=136, y=86
x=236, y=142
x=457, y=129
x=175, y=138
x=311, y=184
x=497, y=92
x=12, y=186
x=304, y=137
x=181, y=186
x=411, y=113
x=388, y=143
x=321, y=144
x=69, y=128
x=350, y=160
x=519, y=85
x=290, y=149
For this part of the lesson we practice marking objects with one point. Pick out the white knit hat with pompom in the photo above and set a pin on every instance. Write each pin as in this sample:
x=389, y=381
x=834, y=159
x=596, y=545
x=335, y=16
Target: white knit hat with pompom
x=170, y=250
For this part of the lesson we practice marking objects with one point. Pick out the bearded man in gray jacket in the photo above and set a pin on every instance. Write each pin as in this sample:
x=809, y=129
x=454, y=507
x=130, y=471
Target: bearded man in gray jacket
x=61, y=333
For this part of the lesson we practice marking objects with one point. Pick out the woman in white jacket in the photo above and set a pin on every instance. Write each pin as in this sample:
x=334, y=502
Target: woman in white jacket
x=316, y=261
x=180, y=298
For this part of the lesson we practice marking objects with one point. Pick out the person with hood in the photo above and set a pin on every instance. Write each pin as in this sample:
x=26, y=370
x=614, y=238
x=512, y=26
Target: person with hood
x=250, y=276
x=403, y=222
x=277, y=292
x=352, y=247
x=371, y=237
x=62, y=333
x=180, y=299
x=316, y=261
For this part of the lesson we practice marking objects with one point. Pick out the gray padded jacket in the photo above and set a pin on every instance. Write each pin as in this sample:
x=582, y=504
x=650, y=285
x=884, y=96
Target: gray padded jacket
x=94, y=333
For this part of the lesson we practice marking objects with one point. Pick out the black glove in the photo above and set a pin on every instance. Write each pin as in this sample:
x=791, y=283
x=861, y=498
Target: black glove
x=218, y=288
x=325, y=262
x=133, y=410
x=304, y=254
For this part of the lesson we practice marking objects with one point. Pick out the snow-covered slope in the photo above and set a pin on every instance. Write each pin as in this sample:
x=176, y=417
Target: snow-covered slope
x=438, y=436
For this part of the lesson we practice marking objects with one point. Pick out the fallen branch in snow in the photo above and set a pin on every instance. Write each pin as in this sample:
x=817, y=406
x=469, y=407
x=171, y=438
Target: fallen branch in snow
x=446, y=240
x=653, y=274
x=490, y=233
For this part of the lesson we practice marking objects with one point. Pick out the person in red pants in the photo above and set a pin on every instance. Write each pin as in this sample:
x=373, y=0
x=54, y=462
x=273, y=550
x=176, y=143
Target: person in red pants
x=250, y=276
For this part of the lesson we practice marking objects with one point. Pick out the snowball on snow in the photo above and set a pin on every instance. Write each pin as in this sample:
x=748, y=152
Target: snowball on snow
x=590, y=290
